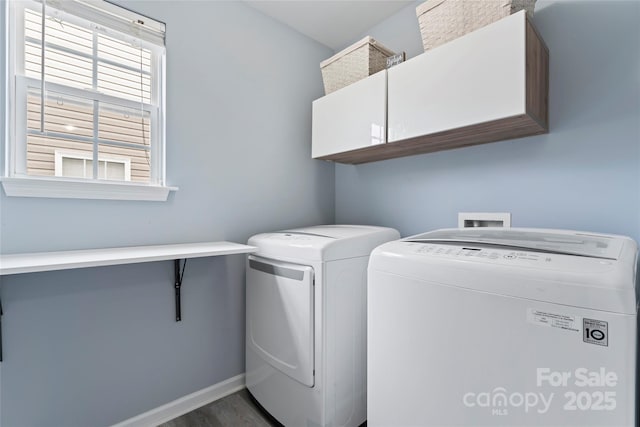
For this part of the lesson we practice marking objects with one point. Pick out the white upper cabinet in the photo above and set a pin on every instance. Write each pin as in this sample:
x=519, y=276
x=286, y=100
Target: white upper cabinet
x=473, y=79
x=350, y=118
x=488, y=85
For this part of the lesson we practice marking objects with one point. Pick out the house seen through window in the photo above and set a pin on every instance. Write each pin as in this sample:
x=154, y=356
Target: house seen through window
x=88, y=92
x=80, y=165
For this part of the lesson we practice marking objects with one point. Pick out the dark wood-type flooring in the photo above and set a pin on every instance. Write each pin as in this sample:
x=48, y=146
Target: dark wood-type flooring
x=237, y=409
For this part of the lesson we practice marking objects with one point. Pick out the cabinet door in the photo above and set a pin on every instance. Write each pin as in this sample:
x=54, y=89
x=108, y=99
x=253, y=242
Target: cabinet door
x=350, y=118
x=474, y=79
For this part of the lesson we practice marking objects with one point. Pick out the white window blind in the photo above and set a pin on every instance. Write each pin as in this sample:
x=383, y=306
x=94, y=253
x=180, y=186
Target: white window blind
x=88, y=78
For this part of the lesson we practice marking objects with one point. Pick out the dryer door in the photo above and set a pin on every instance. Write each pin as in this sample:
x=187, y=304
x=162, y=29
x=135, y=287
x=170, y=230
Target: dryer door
x=280, y=316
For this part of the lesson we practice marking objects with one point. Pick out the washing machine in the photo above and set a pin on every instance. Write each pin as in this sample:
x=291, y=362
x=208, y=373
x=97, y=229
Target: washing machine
x=503, y=327
x=306, y=323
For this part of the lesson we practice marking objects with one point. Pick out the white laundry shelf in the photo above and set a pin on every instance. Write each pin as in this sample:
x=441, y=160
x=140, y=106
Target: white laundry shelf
x=64, y=260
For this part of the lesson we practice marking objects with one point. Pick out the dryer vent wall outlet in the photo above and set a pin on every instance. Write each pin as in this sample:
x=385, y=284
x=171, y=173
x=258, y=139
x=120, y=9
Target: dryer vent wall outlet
x=484, y=219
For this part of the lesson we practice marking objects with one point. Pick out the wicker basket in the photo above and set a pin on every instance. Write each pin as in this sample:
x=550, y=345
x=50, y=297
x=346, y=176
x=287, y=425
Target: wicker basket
x=354, y=63
x=444, y=20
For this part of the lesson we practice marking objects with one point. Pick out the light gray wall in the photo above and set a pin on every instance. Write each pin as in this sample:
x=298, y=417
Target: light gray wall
x=92, y=347
x=584, y=174
x=400, y=32
x=2, y=92
x=95, y=346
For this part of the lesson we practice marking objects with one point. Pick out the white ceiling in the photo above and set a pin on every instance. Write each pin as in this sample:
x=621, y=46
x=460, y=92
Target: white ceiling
x=333, y=23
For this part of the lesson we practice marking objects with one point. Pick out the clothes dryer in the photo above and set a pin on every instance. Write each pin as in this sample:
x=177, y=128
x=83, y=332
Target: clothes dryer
x=503, y=327
x=306, y=323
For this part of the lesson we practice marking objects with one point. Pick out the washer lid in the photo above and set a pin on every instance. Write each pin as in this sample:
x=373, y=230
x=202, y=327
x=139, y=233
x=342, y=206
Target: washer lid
x=322, y=242
x=547, y=241
x=593, y=271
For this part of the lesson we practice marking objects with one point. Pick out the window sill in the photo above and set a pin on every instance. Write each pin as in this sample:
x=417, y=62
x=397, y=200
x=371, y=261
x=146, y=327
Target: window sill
x=78, y=189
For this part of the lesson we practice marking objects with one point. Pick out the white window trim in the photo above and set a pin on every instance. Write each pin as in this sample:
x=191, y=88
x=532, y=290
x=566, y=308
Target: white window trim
x=67, y=188
x=16, y=184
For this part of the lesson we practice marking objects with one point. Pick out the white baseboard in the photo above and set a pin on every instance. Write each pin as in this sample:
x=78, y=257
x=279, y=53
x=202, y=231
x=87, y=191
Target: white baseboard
x=185, y=404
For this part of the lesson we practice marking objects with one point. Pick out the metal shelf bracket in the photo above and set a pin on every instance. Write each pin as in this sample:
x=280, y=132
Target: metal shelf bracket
x=178, y=286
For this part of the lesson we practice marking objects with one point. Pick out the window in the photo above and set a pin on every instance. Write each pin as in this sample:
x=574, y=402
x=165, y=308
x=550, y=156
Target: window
x=80, y=165
x=86, y=95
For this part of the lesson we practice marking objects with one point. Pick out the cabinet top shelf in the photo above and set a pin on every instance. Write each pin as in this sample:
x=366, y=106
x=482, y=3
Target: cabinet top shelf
x=489, y=85
x=64, y=260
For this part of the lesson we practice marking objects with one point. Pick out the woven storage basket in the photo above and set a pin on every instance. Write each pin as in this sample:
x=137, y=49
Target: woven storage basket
x=354, y=63
x=444, y=20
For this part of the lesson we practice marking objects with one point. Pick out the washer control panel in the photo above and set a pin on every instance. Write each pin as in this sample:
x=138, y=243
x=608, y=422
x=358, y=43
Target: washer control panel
x=456, y=251
x=506, y=256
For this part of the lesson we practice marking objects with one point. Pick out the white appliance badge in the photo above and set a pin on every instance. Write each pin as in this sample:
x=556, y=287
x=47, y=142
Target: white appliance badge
x=553, y=320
